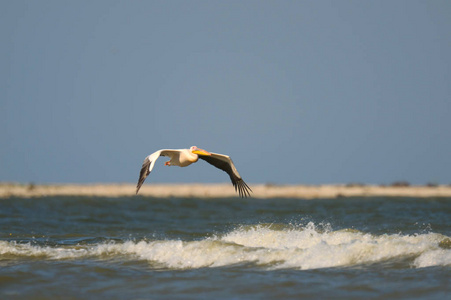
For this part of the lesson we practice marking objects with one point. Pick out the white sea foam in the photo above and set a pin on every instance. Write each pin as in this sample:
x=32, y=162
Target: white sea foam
x=439, y=257
x=14, y=248
x=267, y=246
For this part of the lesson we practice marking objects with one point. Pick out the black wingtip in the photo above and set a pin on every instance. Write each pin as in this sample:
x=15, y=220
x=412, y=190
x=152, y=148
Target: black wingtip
x=143, y=174
x=242, y=188
x=140, y=183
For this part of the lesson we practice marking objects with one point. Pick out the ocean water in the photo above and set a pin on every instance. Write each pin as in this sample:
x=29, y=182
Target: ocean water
x=150, y=248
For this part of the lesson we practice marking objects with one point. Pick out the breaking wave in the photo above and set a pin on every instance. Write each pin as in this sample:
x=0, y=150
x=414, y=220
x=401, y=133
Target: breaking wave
x=270, y=246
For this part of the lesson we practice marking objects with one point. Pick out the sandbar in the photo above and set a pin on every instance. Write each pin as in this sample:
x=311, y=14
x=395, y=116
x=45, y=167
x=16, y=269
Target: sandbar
x=220, y=190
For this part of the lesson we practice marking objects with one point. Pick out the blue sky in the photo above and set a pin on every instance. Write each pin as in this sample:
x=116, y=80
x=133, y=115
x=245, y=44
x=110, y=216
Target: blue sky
x=296, y=92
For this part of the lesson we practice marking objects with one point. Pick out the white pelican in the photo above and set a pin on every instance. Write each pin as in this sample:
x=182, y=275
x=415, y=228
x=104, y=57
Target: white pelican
x=185, y=157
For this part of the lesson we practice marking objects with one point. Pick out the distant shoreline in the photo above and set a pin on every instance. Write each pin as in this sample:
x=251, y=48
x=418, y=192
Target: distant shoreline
x=8, y=190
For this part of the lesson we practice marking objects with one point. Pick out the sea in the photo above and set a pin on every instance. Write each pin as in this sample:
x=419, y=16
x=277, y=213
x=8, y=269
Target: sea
x=225, y=248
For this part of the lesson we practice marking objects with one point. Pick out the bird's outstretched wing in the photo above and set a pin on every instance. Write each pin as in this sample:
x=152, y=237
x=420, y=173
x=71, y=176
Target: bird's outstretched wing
x=149, y=163
x=225, y=163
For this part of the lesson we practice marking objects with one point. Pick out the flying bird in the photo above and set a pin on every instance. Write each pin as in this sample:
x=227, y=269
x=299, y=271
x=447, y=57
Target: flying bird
x=185, y=157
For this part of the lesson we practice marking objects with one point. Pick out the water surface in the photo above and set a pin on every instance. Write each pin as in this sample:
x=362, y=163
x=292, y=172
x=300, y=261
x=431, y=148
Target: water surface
x=149, y=248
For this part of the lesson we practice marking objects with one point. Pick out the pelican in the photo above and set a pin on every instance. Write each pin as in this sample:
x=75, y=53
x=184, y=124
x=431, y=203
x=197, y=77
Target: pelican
x=185, y=157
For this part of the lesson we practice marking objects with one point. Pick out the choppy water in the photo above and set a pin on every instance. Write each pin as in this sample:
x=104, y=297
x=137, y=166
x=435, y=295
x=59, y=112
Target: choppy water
x=147, y=248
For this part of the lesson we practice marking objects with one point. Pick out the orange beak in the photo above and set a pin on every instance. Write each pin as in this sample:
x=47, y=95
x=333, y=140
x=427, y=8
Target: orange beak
x=201, y=152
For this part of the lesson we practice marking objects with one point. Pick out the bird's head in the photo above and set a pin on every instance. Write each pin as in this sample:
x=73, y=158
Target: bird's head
x=199, y=151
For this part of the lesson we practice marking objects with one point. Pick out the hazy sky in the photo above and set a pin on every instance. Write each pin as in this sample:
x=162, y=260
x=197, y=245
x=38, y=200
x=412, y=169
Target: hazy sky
x=302, y=92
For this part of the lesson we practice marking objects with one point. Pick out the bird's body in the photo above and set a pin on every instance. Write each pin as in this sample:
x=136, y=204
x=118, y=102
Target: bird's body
x=185, y=157
x=180, y=158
